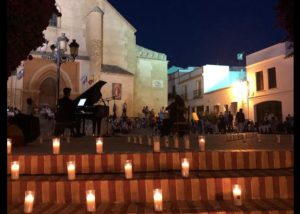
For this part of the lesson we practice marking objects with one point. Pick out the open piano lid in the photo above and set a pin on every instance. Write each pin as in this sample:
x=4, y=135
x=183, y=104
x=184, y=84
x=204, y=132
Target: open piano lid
x=92, y=95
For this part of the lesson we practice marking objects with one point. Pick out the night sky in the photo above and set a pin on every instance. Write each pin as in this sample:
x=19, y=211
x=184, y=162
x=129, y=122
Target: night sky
x=199, y=32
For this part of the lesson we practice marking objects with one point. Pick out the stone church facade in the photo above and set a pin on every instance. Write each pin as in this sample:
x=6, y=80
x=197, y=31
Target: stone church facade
x=108, y=52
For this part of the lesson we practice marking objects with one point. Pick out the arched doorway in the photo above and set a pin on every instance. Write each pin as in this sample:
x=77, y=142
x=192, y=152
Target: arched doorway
x=48, y=92
x=269, y=106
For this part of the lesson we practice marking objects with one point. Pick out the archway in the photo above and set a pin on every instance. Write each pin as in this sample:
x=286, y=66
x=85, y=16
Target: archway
x=47, y=93
x=273, y=107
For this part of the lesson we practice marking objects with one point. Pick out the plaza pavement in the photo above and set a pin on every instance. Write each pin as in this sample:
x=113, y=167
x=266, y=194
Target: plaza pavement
x=119, y=144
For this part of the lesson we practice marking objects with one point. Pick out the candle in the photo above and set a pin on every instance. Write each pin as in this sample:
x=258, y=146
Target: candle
x=259, y=138
x=9, y=145
x=134, y=139
x=149, y=141
x=141, y=139
x=15, y=169
x=278, y=138
x=244, y=137
x=166, y=139
x=28, y=202
x=99, y=145
x=156, y=144
x=157, y=198
x=237, y=195
x=176, y=141
x=56, y=145
x=128, y=139
x=201, y=141
x=185, y=166
x=186, y=141
x=128, y=169
x=71, y=170
x=90, y=201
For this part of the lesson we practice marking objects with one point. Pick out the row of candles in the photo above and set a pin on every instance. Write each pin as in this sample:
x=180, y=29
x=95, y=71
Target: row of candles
x=99, y=144
x=71, y=168
x=156, y=143
x=157, y=199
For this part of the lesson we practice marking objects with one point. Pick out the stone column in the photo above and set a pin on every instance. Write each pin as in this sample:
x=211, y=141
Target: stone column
x=94, y=41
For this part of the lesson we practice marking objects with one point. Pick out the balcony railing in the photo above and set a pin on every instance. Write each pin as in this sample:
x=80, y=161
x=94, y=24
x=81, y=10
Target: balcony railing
x=197, y=94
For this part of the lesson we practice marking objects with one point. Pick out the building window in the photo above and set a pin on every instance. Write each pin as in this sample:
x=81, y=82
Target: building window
x=259, y=81
x=200, y=110
x=53, y=20
x=217, y=109
x=272, y=78
x=233, y=107
x=207, y=109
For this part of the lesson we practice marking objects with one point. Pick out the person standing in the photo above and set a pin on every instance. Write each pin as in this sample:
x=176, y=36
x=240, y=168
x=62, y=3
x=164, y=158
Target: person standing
x=240, y=119
x=114, y=111
x=124, y=109
x=230, y=122
x=29, y=108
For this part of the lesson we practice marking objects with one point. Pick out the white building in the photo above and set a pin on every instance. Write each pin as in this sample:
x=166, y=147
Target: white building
x=212, y=88
x=268, y=87
x=271, y=82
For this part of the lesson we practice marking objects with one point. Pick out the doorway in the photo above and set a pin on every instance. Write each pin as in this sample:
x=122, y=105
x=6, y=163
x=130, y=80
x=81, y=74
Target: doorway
x=273, y=107
x=48, y=92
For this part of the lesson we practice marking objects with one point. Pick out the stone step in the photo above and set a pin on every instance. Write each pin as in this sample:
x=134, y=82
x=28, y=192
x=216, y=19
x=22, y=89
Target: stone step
x=200, y=185
x=150, y=161
x=267, y=206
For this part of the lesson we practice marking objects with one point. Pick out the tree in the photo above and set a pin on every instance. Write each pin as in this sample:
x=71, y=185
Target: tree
x=26, y=21
x=285, y=17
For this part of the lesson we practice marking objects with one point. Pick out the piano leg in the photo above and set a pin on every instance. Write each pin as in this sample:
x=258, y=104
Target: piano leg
x=96, y=122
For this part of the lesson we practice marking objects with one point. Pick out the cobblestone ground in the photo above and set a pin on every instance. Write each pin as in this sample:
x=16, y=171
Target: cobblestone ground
x=119, y=143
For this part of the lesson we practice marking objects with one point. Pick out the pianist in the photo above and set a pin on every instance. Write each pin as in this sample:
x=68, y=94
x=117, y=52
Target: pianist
x=65, y=114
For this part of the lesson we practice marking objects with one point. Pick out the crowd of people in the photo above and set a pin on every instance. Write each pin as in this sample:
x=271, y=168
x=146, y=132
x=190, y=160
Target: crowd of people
x=227, y=123
x=272, y=124
x=163, y=121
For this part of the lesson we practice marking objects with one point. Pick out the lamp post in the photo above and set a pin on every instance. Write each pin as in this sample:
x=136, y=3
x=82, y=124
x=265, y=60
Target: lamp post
x=58, y=55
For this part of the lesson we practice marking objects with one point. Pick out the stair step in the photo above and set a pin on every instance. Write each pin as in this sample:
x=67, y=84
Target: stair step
x=274, y=206
x=208, y=160
x=201, y=185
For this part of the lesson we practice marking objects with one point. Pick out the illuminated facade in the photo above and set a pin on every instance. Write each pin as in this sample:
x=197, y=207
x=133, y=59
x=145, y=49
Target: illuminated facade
x=108, y=52
x=270, y=75
x=212, y=88
x=267, y=87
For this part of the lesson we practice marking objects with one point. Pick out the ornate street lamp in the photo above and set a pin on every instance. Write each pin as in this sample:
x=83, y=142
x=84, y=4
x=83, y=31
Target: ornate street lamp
x=59, y=56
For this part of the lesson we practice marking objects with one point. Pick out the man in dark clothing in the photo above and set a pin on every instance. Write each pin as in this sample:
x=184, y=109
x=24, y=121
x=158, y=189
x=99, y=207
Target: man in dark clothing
x=230, y=122
x=177, y=111
x=240, y=119
x=65, y=113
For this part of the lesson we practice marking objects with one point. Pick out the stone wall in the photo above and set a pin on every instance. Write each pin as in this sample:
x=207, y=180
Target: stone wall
x=151, y=85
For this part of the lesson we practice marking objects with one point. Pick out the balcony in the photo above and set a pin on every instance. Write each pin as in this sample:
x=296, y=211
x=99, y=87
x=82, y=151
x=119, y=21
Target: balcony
x=197, y=94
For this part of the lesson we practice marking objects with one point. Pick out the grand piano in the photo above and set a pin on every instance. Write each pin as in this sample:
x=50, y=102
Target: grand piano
x=86, y=110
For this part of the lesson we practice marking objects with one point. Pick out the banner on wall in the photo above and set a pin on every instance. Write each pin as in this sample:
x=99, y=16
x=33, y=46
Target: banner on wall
x=117, y=91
